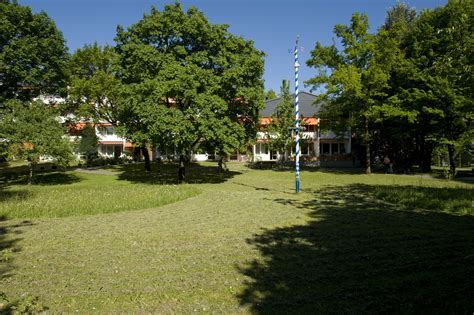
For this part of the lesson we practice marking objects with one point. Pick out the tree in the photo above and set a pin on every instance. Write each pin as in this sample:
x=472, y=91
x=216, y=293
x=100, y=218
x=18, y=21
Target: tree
x=355, y=87
x=33, y=59
x=270, y=95
x=433, y=79
x=95, y=86
x=280, y=135
x=189, y=84
x=89, y=144
x=443, y=48
x=33, y=131
x=33, y=54
x=400, y=17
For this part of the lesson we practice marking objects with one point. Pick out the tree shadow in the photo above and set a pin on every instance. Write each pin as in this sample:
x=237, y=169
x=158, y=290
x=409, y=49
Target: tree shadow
x=287, y=167
x=167, y=173
x=44, y=178
x=49, y=175
x=360, y=255
x=17, y=194
x=9, y=239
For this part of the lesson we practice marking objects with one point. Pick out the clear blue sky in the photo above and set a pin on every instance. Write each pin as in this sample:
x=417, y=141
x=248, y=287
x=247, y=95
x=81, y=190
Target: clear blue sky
x=271, y=24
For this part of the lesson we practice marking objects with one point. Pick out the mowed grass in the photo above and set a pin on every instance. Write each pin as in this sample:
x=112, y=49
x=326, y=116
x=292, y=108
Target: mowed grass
x=69, y=193
x=246, y=243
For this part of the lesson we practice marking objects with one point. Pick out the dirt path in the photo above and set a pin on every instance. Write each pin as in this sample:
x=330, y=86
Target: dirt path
x=97, y=171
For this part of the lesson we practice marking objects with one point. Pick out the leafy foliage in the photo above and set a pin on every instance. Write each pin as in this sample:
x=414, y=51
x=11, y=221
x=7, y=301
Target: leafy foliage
x=32, y=54
x=189, y=84
x=32, y=130
x=280, y=130
x=405, y=89
x=95, y=87
x=270, y=95
x=89, y=143
x=355, y=78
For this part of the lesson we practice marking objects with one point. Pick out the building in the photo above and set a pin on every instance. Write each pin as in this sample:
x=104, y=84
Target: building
x=110, y=144
x=320, y=148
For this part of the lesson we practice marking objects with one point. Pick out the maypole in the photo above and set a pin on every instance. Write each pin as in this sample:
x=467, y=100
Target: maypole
x=297, y=119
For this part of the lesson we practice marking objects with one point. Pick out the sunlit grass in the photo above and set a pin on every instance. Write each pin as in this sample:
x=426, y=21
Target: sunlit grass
x=85, y=194
x=244, y=243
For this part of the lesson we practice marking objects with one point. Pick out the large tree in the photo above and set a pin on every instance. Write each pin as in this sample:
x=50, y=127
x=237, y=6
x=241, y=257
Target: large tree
x=190, y=84
x=33, y=59
x=432, y=80
x=33, y=54
x=33, y=130
x=442, y=49
x=355, y=79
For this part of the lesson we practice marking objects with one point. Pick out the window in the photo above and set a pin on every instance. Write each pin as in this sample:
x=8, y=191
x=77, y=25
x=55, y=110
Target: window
x=310, y=128
x=106, y=130
x=307, y=148
x=107, y=149
x=332, y=148
x=325, y=148
x=261, y=148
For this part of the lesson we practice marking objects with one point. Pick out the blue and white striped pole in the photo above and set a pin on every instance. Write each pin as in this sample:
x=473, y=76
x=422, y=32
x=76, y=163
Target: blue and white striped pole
x=297, y=119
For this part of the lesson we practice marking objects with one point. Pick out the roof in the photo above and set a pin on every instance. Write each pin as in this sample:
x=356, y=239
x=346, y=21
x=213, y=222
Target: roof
x=306, y=100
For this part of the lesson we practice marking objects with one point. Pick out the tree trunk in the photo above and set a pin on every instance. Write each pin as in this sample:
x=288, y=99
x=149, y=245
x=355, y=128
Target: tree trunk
x=452, y=162
x=147, y=158
x=30, y=175
x=181, y=169
x=367, y=148
x=426, y=157
x=222, y=165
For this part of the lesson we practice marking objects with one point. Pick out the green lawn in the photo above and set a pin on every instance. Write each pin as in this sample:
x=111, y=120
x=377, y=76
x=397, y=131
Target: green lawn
x=241, y=242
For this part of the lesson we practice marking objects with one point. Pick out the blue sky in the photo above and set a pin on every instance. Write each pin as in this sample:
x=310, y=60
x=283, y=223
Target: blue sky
x=271, y=24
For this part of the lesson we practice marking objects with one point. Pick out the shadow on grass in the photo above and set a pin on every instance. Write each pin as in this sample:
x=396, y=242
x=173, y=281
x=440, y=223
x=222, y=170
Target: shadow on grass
x=8, y=247
x=359, y=255
x=168, y=174
x=271, y=165
x=17, y=195
x=9, y=238
x=43, y=178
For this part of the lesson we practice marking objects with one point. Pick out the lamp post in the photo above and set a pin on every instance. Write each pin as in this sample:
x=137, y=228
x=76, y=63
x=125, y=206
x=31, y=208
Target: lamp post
x=297, y=119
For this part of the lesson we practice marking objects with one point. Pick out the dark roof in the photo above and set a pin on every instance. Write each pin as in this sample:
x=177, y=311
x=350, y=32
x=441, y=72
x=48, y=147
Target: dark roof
x=306, y=104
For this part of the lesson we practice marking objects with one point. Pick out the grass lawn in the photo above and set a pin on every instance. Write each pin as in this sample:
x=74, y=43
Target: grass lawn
x=241, y=242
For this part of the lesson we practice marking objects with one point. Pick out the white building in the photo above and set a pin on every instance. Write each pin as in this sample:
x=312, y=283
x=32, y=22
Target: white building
x=325, y=148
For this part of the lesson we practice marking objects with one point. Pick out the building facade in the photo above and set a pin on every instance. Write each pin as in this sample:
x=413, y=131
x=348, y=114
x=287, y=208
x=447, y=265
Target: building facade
x=318, y=147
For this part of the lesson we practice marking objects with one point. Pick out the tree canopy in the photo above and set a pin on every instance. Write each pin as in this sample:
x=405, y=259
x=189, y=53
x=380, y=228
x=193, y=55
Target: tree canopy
x=33, y=131
x=404, y=89
x=355, y=77
x=95, y=86
x=33, y=65
x=33, y=54
x=189, y=84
